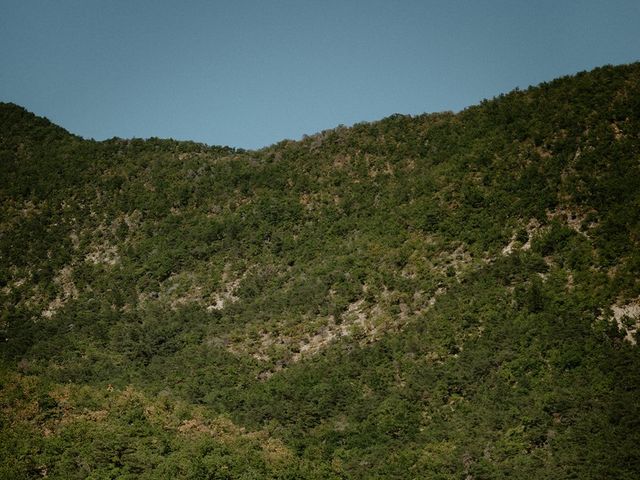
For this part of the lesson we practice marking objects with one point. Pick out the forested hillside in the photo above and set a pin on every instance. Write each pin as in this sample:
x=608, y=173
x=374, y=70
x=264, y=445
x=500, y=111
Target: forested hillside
x=446, y=296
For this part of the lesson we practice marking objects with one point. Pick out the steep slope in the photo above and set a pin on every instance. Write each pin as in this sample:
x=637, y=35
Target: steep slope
x=439, y=296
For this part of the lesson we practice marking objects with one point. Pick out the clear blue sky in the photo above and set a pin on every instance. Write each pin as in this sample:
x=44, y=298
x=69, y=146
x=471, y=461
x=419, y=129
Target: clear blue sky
x=250, y=73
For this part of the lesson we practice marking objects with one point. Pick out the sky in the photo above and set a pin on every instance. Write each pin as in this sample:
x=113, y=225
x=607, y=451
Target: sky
x=251, y=73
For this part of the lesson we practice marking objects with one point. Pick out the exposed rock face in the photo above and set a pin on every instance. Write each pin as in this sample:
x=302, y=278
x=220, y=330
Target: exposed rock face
x=627, y=317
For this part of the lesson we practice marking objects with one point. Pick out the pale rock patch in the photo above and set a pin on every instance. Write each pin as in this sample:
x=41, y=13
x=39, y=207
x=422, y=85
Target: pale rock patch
x=68, y=291
x=574, y=220
x=627, y=317
x=532, y=227
x=227, y=294
x=104, y=254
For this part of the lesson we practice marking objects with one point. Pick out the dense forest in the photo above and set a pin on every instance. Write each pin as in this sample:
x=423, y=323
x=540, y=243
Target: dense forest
x=441, y=296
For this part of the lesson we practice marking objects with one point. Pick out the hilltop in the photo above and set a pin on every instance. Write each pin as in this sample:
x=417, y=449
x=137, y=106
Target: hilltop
x=433, y=296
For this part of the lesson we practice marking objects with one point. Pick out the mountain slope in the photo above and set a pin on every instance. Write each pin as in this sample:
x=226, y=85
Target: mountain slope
x=439, y=296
